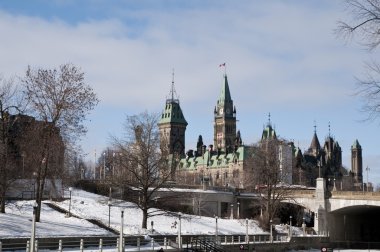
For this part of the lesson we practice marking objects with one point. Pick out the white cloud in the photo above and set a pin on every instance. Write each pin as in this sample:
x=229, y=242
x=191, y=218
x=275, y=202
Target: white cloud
x=280, y=57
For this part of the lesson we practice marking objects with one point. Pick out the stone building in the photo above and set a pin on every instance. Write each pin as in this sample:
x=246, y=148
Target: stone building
x=326, y=162
x=24, y=146
x=228, y=161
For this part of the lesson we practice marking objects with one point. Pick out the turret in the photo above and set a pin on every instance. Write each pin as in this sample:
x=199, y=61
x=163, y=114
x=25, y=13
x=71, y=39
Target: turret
x=172, y=125
x=224, y=119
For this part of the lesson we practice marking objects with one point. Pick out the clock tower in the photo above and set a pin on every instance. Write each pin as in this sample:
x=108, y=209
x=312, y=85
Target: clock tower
x=224, y=119
x=172, y=126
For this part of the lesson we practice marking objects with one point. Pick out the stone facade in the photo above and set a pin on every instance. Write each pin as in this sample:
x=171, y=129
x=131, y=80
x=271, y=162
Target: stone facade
x=227, y=162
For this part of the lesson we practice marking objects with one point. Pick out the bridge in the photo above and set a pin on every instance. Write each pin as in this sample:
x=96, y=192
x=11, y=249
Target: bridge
x=342, y=215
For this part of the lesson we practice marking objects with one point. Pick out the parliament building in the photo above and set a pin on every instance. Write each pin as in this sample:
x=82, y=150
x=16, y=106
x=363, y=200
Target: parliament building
x=227, y=161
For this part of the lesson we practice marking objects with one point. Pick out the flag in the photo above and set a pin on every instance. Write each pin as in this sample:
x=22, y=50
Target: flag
x=222, y=65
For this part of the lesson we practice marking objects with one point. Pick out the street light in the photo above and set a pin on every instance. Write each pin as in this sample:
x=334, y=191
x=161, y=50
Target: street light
x=121, y=242
x=232, y=212
x=104, y=165
x=303, y=226
x=246, y=231
x=179, y=232
x=70, y=189
x=334, y=189
x=109, y=213
x=271, y=234
x=216, y=229
x=238, y=210
x=33, y=233
x=290, y=227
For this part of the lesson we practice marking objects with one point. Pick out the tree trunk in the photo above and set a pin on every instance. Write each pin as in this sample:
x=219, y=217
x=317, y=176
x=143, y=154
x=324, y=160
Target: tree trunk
x=2, y=201
x=145, y=218
x=38, y=197
x=43, y=170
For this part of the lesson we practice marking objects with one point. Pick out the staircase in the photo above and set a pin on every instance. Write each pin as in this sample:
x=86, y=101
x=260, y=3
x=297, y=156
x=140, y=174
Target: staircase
x=206, y=244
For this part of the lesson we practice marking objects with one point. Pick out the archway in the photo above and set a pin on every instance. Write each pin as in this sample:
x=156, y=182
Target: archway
x=356, y=223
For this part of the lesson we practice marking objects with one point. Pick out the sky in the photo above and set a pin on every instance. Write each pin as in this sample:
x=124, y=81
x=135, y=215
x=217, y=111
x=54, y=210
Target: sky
x=282, y=58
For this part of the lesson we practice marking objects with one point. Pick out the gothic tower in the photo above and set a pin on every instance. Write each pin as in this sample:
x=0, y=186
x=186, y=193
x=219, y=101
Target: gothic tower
x=172, y=125
x=357, y=162
x=224, y=119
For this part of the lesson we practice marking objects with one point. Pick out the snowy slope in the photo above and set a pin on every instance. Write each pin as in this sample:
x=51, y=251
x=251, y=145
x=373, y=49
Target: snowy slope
x=17, y=220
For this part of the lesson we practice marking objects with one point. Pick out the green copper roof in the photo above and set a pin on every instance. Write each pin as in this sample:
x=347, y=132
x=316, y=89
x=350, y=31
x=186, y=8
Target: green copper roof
x=172, y=113
x=268, y=133
x=225, y=95
x=356, y=145
x=213, y=161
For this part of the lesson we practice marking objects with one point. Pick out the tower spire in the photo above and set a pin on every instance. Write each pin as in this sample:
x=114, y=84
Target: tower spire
x=315, y=127
x=172, y=124
x=269, y=119
x=172, y=91
x=329, y=130
x=173, y=94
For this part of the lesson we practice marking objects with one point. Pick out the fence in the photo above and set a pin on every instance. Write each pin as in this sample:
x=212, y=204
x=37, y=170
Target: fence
x=130, y=243
x=138, y=244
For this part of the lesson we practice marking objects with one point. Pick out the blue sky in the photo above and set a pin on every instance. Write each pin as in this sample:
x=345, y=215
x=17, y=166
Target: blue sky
x=282, y=58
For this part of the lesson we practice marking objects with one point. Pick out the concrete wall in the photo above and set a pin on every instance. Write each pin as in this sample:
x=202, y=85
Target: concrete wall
x=26, y=189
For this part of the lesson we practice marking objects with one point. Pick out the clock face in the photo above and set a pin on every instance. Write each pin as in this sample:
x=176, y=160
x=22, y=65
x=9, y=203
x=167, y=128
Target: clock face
x=221, y=111
x=227, y=111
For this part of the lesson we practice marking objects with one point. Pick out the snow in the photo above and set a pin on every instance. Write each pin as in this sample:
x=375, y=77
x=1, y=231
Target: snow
x=18, y=219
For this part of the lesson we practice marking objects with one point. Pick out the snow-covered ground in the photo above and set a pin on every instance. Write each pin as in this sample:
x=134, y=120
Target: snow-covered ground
x=17, y=220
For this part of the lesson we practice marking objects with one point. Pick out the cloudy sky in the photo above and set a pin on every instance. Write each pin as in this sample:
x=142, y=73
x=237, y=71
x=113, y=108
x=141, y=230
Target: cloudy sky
x=282, y=58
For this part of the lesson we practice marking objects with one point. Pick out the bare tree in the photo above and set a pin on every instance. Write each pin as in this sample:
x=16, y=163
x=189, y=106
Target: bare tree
x=61, y=100
x=269, y=176
x=143, y=164
x=78, y=169
x=8, y=104
x=365, y=24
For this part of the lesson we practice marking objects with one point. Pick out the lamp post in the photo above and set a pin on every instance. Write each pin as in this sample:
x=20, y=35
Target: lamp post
x=246, y=231
x=232, y=212
x=104, y=165
x=271, y=232
x=334, y=189
x=33, y=233
x=113, y=164
x=109, y=213
x=70, y=189
x=179, y=232
x=216, y=229
x=238, y=211
x=290, y=227
x=121, y=242
x=303, y=226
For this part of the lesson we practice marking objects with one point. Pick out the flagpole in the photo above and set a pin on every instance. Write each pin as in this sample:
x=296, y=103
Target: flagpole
x=224, y=66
